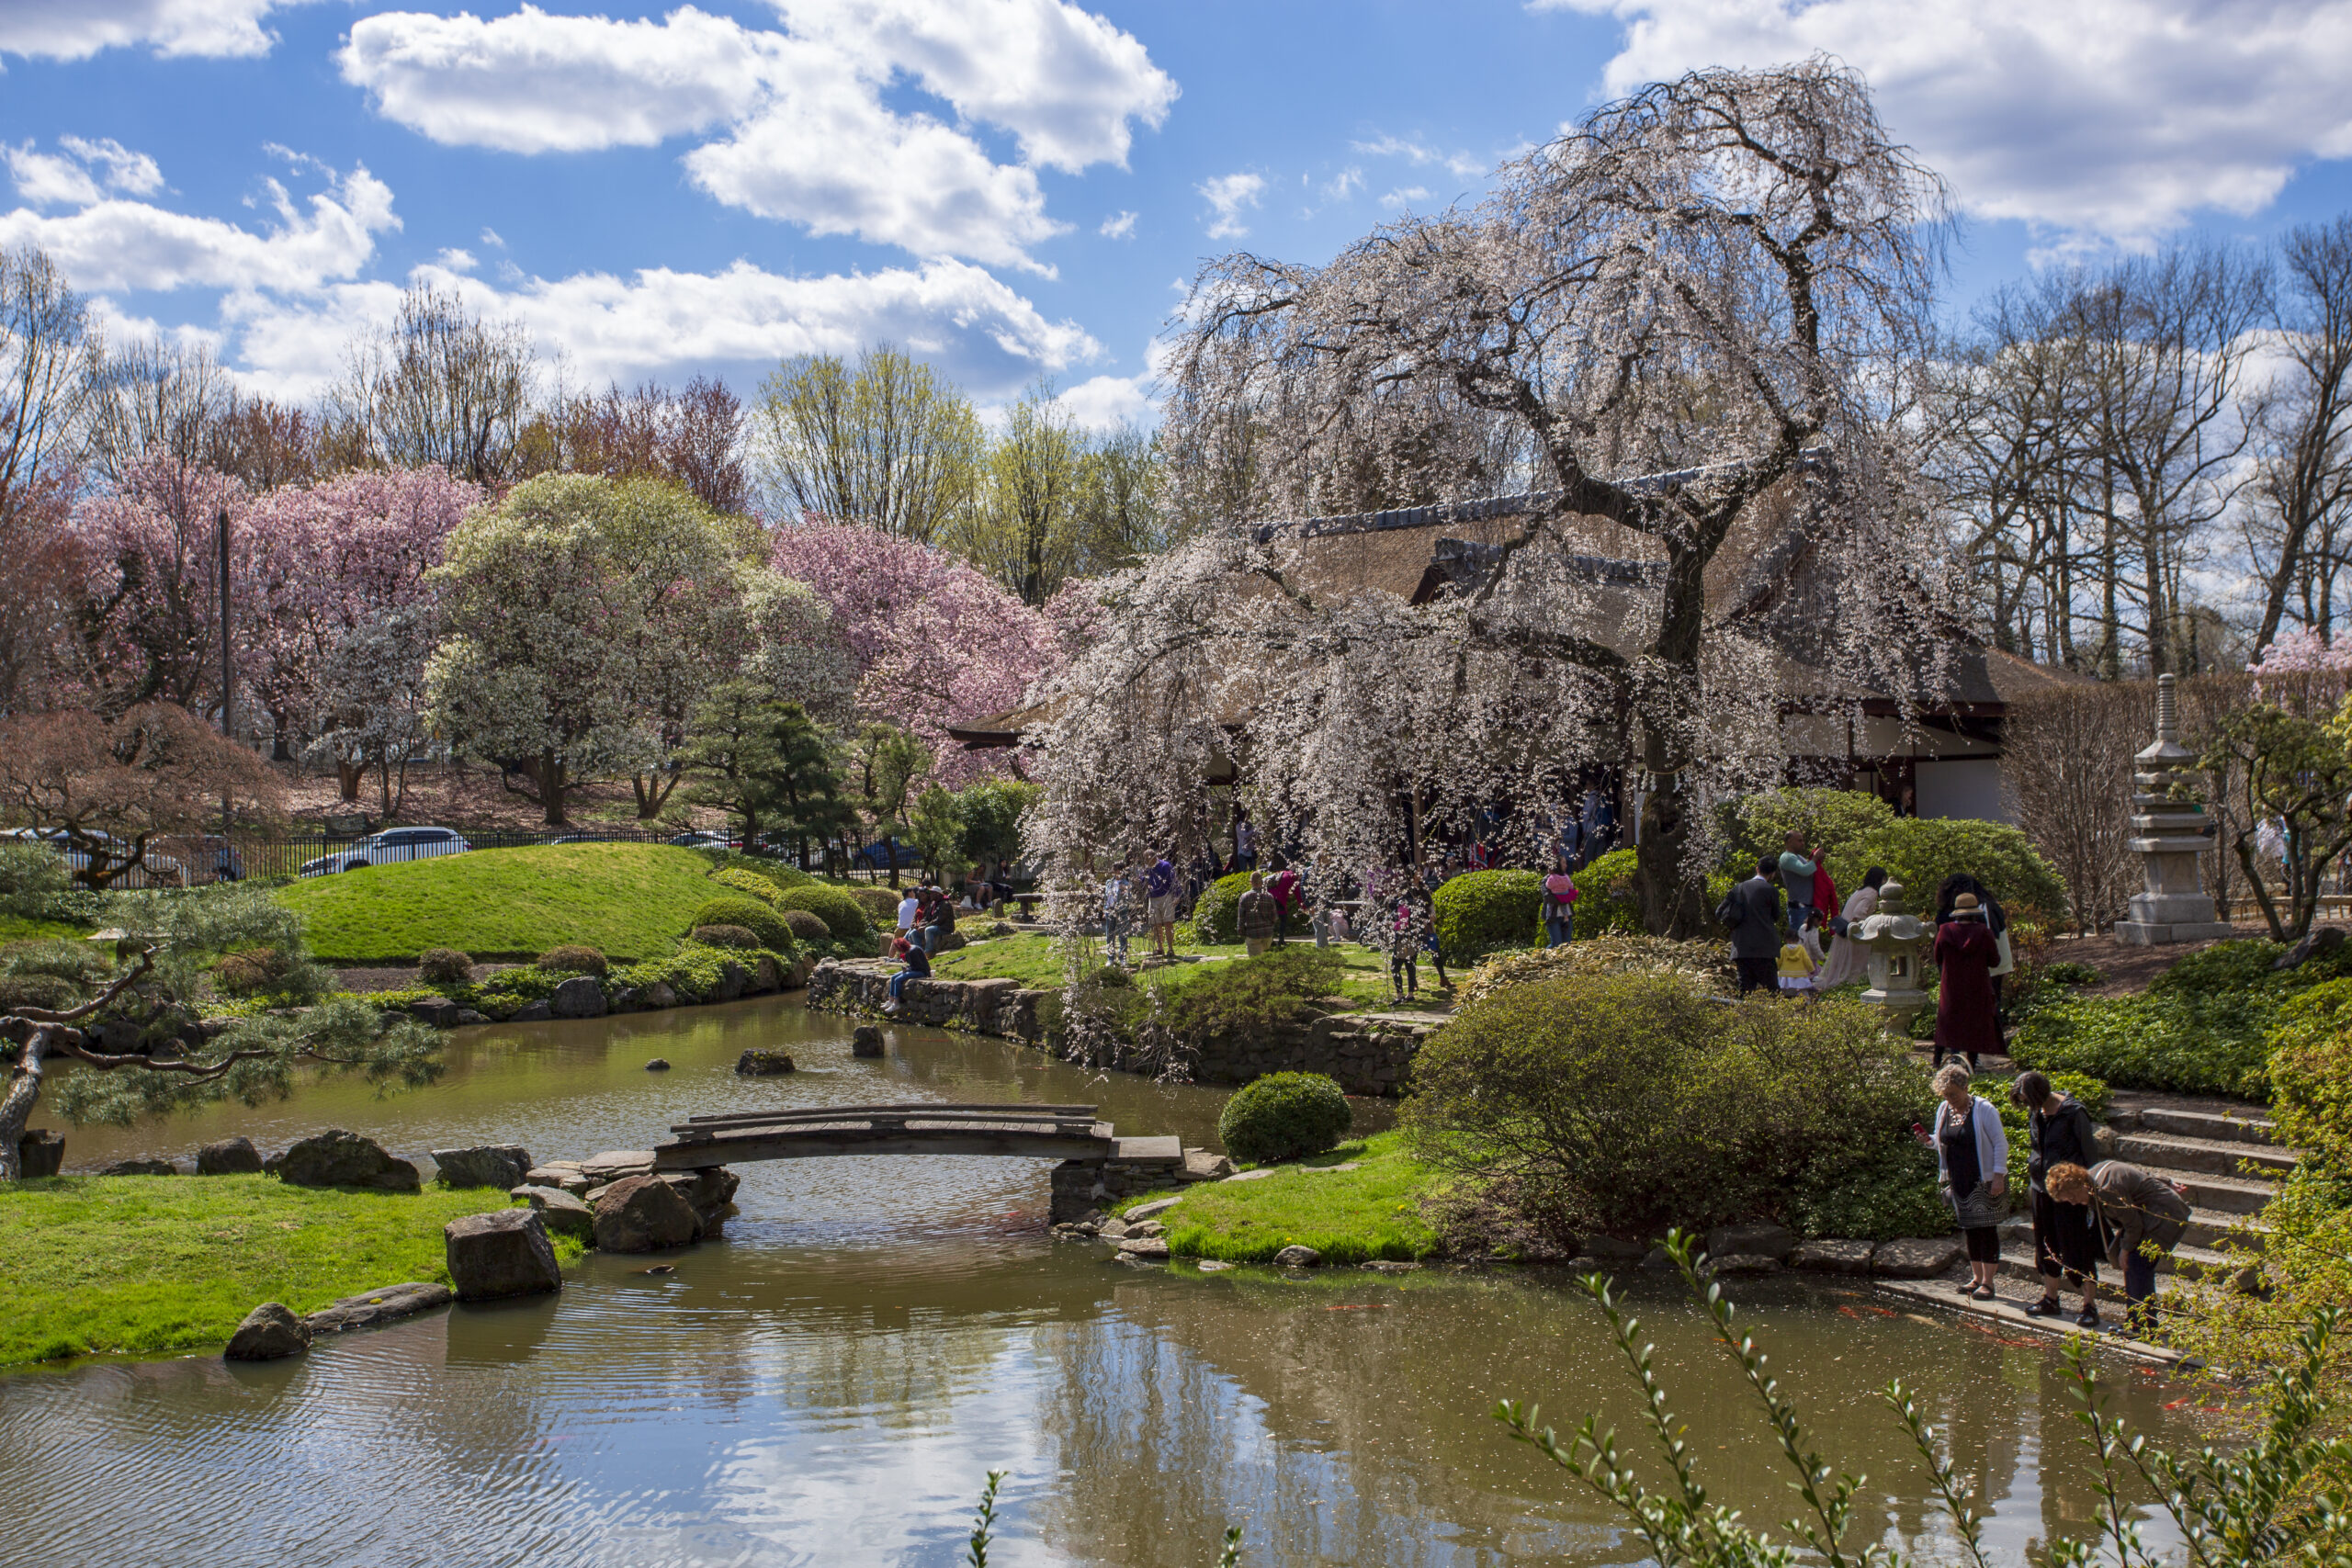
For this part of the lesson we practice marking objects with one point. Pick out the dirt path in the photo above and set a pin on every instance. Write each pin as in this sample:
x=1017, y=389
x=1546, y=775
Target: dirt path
x=2124, y=969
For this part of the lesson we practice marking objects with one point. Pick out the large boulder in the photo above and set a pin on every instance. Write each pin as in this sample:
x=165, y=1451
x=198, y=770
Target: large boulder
x=581, y=997
x=505, y=1253
x=338, y=1158
x=711, y=1194
x=140, y=1168
x=230, y=1156
x=271, y=1332
x=559, y=1211
x=865, y=1039
x=376, y=1308
x=531, y=1012
x=762, y=1064
x=1760, y=1239
x=2318, y=940
x=1297, y=1257
x=486, y=1165
x=438, y=1012
x=644, y=1213
x=1916, y=1258
x=40, y=1152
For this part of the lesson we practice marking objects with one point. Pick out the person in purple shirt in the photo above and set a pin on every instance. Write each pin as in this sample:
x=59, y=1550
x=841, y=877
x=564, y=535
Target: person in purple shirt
x=1159, y=906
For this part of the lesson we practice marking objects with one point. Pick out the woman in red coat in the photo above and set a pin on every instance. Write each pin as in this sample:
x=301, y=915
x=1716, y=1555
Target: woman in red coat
x=1966, y=954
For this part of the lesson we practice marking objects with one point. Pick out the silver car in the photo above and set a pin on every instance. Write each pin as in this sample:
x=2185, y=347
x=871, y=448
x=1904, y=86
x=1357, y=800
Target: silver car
x=391, y=844
x=155, y=869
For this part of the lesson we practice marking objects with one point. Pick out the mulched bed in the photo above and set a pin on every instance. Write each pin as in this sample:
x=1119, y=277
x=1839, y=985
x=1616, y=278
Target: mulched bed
x=2125, y=969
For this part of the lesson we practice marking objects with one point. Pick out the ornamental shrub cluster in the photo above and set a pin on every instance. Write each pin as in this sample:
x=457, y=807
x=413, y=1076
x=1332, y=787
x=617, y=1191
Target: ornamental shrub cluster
x=1284, y=1116
x=254, y=972
x=1920, y=852
x=1251, y=995
x=842, y=914
x=1216, y=913
x=880, y=904
x=573, y=959
x=1607, y=899
x=725, y=936
x=1621, y=1104
x=766, y=925
x=1481, y=912
x=1751, y=826
x=444, y=967
x=806, y=926
x=751, y=884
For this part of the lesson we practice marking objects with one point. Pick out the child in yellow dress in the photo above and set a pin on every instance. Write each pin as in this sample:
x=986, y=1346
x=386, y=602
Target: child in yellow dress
x=1798, y=966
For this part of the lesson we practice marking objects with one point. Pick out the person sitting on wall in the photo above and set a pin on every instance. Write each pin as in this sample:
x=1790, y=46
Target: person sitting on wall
x=915, y=966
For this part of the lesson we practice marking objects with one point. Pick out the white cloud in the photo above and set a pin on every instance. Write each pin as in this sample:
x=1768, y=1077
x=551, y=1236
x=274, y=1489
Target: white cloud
x=119, y=244
x=490, y=237
x=1118, y=226
x=1405, y=196
x=1227, y=195
x=76, y=29
x=86, y=172
x=657, y=320
x=1102, y=402
x=1343, y=185
x=808, y=135
x=455, y=258
x=2116, y=121
x=1461, y=166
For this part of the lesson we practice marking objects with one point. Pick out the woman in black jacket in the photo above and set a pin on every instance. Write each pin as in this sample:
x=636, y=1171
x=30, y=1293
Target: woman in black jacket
x=2065, y=1238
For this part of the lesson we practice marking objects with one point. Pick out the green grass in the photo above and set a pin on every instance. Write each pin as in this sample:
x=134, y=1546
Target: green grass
x=1030, y=958
x=628, y=901
x=140, y=1265
x=15, y=928
x=1349, y=1216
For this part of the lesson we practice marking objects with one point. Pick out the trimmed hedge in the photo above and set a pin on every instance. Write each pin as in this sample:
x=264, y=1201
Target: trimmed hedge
x=573, y=959
x=806, y=926
x=1481, y=912
x=764, y=924
x=1919, y=852
x=1284, y=1116
x=1750, y=826
x=754, y=884
x=1216, y=913
x=1607, y=899
x=725, y=936
x=880, y=904
x=842, y=914
x=444, y=967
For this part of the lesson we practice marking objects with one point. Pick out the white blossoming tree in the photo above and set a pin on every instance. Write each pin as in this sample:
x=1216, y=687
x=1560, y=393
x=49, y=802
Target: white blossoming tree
x=1690, y=326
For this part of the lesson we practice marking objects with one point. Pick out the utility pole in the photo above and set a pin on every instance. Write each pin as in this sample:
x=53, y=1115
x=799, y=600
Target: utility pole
x=228, y=682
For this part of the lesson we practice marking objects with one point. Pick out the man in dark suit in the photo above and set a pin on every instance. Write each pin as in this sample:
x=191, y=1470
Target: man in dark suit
x=1752, y=910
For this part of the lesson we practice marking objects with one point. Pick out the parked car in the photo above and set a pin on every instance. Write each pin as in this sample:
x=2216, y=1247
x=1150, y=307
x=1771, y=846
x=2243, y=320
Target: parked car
x=703, y=838
x=155, y=869
x=391, y=844
x=877, y=855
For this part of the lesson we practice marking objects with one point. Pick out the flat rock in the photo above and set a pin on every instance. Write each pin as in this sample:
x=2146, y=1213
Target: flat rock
x=505, y=1253
x=1296, y=1257
x=270, y=1333
x=340, y=1158
x=1148, y=1228
x=485, y=1165
x=1111, y=1229
x=439, y=1013
x=1149, y=1247
x=376, y=1307
x=1916, y=1258
x=140, y=1168
x=566, y=1178
x=562, y=1213
x=531, y=1012
x=1150, y=1210
x=1743, y=1263
x=644, y=1213
x=582, y=996
x=760, y=1063
x=614, y=1164
x=1833, y=1256
x=1213, y=1266
x=230, y=1156
x=1763, y=1239
x=1259, y=1175
x=1207, y=1165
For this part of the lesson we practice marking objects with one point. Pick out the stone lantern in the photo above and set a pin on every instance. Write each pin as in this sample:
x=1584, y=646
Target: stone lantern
x=2173, y=830
x=1894, y=937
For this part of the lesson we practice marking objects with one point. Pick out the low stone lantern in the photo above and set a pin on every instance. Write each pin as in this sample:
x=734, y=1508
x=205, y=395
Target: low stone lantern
x=1894, y=937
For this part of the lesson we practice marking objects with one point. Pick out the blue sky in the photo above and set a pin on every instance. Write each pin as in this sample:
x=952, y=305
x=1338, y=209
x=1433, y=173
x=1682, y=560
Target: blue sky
x=1015, y=186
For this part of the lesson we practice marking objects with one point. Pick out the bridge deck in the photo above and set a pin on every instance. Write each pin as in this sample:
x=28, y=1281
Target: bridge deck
x=1031, y=1131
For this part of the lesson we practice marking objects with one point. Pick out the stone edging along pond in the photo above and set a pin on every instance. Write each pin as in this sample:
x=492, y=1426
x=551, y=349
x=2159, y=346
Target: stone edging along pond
x=1366, y=1056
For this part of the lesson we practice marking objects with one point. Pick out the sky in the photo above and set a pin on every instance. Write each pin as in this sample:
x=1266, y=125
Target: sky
x=1017, y=189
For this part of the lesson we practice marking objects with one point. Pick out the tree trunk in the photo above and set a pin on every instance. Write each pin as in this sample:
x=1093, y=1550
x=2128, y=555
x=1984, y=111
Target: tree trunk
x=17, y=1109
x=346, y=778
x=551, y=789
x=890, y=852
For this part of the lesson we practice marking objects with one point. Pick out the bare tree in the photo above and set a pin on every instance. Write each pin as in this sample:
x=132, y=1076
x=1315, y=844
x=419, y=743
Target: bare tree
x=441, y=385
x=2066, y=768
x=1721, y=283
x=154, y=398
x=891, y=443
x=2305, y=434
x=46, y=349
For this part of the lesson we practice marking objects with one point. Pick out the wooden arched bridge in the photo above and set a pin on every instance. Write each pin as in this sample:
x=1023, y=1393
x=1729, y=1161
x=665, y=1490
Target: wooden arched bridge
x=1031, y=1131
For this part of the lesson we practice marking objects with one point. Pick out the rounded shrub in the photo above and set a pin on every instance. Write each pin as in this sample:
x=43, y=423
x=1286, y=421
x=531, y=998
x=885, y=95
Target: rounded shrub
x=751, y=882
x=444, y=967
x=880, y=904
x=1607, y=897
x=1920, y=852
x=806, y=926
x=1284, y=1116
x=1488, y=911
x=766, y=924
x=843, y=915
x=1749, y=826
x=1216, y=914
x=50, y=993
x=252, y=971
x=573, y=959
x=725, y=936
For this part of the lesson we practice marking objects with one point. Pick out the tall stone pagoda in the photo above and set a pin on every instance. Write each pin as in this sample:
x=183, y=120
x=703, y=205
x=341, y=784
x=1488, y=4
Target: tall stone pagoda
x=2173, y=830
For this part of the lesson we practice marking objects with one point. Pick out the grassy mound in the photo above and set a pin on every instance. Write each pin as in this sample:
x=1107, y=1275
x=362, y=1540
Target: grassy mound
x=628, y=901
x=1349, y=1216
x=138, y=1264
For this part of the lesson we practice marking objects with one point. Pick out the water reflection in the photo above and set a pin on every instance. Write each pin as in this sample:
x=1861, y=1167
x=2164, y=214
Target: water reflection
x=830, y=1382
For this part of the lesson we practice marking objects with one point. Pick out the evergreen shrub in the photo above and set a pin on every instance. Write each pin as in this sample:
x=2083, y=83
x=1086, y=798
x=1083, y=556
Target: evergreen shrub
x=1607, y=899
x=1216, y=913
x=252, y=972
x=1481, y=912
x=1748, y=826
x=766, y=924
x=725, y=936
x=1920, y=852
x=806, y=926
x=842, y=914
x=880, y=904
x=1284, y=1116
x=752, y=883
x=573, y=959
x=1251, y=995
x=444, y=967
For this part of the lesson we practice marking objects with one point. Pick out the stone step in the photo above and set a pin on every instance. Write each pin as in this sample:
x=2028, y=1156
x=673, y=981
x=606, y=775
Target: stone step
x=2216, y=1125
x=2167, y=1154
x=2225, y=1194
x=2207, y=1228
x=2188, y=1261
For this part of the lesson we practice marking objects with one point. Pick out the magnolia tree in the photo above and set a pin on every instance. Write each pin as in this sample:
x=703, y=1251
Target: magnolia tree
x=144, y=594
x=932, y=642
x=1689, y=321
x=336, y=614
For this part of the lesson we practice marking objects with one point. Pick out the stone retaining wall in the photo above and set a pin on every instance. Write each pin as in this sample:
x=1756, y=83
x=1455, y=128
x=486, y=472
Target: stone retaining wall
x=1368, y=1055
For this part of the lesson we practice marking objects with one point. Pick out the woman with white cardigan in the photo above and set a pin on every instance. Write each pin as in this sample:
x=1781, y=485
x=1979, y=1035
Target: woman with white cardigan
x=1973, y=1167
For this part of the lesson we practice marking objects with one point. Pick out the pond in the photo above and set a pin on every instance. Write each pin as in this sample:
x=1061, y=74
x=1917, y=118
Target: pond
x=831, y=1382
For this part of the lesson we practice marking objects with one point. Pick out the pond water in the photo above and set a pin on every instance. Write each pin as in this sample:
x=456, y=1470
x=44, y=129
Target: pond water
x=831, y=1382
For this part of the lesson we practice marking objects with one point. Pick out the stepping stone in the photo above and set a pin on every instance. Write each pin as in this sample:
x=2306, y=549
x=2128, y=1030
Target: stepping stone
x=1833, y=1256
x=1917, y=1258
